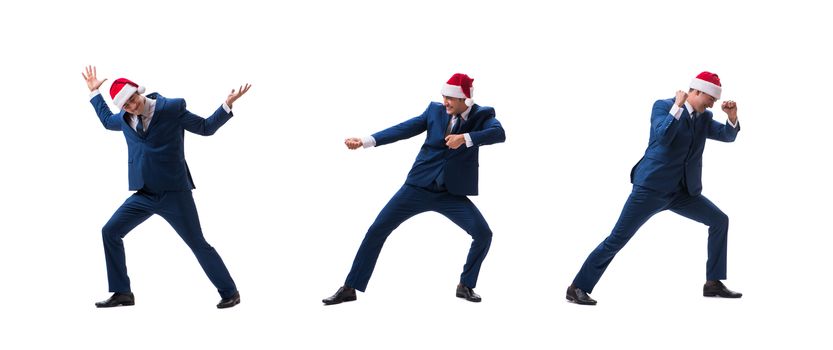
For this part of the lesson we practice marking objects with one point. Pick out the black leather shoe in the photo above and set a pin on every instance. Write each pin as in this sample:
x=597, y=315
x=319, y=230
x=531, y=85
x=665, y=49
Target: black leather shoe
x=117, y=299
x=467, y=293
x=343, y=294
x=718, y=289
x=578, y=296
x=234, y=299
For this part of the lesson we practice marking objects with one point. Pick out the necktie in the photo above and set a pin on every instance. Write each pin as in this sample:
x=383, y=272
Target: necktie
x=693, y=120
x=457, y=124
x=140, y=127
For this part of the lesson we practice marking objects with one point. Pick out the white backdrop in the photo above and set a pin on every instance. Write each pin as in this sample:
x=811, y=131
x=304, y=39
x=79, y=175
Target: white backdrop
x=286, y=204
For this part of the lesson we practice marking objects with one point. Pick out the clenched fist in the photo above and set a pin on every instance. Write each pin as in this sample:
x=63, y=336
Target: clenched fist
x=731, y=109
x=353, y=142
x=454, y=141
x=681, y=97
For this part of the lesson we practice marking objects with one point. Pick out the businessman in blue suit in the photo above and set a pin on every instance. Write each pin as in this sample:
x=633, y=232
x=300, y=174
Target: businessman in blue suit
x=154, y=129
x=443, y=175
x=668, y=178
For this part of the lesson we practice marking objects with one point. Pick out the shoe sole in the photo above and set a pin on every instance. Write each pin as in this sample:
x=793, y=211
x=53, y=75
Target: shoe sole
x=712, y=295
x=129, y=303
x=471, y=300
x=228, y=306
x=340, y=301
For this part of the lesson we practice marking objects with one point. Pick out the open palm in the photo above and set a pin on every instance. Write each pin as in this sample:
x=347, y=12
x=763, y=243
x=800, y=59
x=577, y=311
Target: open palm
x=235, y=94
x=92, y=81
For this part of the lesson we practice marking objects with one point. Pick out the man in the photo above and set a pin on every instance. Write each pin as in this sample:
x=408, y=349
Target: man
x=668, y=177
x=444, y=173
x=154, y=129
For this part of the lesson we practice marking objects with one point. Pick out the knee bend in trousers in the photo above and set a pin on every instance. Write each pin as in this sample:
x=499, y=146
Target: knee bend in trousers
x=481, y=233
x=721, y=220
x=380, y=230
x=198, y=245
x=112, y=232
x=614, y=244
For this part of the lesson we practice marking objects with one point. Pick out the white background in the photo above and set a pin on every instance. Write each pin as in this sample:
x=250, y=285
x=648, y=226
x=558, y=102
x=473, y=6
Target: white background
x=286, y=204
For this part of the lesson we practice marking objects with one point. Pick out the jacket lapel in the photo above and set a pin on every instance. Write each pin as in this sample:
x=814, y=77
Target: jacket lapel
x=157, y=110
x=126, y=124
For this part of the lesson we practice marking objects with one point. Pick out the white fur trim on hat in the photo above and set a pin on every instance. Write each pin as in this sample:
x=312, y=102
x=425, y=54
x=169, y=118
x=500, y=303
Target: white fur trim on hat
x=453, y=91
x=124, y=94
x=457, y=91
x=707, y=87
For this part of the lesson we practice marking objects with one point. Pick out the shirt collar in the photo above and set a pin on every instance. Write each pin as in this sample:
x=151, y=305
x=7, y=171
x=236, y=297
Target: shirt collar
x=465, y=114
x=150, y=106
x=689, y=108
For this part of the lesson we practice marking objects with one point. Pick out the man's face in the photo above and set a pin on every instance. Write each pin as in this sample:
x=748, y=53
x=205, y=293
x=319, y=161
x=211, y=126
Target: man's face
x=454, y=105
x=135, y=105
x=701, y=100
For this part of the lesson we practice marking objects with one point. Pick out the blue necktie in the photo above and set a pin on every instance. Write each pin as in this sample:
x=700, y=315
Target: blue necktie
x=140, y=127
x=456, y=128
x=692, y=121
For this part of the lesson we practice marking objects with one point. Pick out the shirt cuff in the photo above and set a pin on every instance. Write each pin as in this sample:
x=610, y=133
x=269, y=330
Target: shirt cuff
x=226, y=108
x=468, y=140
x=734, y=125
x=94, y=93
x=368, y=141
x=676, y=111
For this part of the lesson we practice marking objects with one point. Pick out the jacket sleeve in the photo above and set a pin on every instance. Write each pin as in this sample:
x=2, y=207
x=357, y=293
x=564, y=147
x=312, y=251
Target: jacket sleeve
x=722, y=132
x=199, y=125
x=491, y=133
x=404, y=130
x=105, y=115
x=663, y=125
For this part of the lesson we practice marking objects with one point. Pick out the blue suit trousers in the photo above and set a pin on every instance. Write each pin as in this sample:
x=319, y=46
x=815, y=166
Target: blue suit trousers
x=408, y=202
x=179, y=210
x=642, y=204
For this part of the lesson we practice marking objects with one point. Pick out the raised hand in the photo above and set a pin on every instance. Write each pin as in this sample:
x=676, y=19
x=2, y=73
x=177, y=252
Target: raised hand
x=353, y=142
x=235, y=94
x=731, y=109
x=681, y=97
x=92, y=81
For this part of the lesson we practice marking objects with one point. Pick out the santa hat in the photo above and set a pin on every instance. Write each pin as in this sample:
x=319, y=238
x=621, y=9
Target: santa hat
x=122, y=89
x=707, y=82
x=459, y=86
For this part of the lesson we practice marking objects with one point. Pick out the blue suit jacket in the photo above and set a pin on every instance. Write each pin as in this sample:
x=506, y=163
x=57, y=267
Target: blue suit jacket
x=460, y=165
x=157, y=161
x=675, y=149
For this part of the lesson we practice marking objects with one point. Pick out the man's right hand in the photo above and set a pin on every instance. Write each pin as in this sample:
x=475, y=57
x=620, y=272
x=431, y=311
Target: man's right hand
x=353, y=142
x=681, y=97
x=92, y=81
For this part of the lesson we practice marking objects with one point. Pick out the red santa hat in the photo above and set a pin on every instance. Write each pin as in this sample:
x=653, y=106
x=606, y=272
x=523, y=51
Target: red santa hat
x=459, y=86
x=707, y=82
x=122, y=89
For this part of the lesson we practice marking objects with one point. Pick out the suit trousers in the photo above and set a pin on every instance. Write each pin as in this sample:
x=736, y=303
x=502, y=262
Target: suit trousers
x=642, y=204
x=179, y=210
x=408, y=202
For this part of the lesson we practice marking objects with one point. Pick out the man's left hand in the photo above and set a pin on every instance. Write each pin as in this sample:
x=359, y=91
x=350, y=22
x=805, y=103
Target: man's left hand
x=454, y=141
x=731, y=109
x=235, y=94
